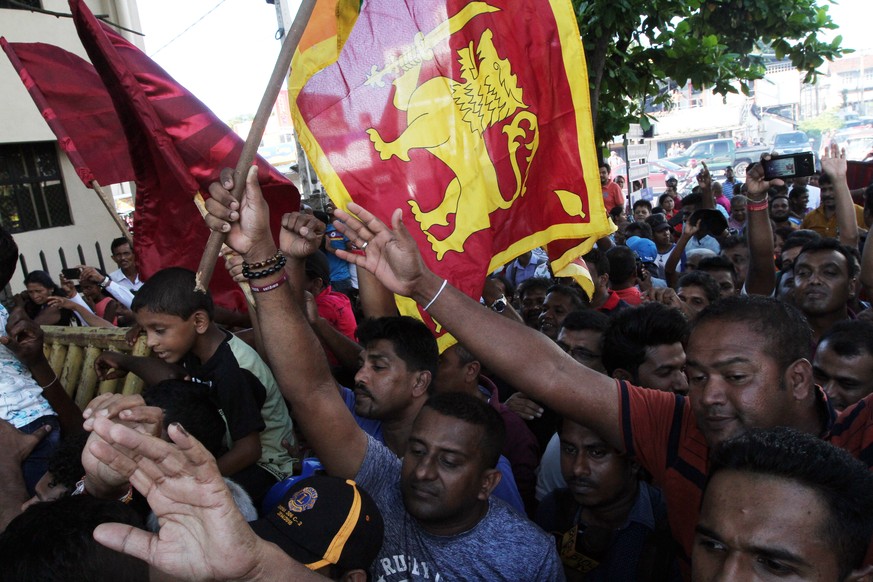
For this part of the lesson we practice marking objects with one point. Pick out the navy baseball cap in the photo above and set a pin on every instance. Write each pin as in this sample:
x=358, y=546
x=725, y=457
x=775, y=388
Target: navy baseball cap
x=325, y=520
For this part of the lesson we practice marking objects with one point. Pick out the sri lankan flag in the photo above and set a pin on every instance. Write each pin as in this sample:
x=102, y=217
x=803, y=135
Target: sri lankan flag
x=474, y=118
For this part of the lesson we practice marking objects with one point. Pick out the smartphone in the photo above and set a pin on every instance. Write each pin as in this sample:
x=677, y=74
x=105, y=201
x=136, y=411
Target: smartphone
x=72, y=274
x=789, y=166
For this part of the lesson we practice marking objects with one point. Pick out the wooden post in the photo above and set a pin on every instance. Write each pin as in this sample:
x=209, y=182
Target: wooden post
x=259, y=124
x=110, y=206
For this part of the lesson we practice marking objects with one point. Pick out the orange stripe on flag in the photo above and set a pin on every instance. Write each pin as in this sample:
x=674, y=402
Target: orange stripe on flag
x=322, y=25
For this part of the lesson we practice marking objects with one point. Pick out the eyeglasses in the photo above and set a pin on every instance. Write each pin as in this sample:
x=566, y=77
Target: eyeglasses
x=579, y=354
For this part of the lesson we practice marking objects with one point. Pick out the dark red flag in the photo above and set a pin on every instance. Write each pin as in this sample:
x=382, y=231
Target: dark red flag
x=859, y=175
x=74, y=102
x=178, y=147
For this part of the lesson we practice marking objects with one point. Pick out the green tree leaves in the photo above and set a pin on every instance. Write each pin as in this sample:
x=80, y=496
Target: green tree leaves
x=634, y=47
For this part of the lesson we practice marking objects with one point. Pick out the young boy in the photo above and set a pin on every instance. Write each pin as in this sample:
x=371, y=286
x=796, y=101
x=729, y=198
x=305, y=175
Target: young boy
x=179, y=327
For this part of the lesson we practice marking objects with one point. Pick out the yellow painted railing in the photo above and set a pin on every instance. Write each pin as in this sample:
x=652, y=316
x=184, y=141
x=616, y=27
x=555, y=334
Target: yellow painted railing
x=72, y=351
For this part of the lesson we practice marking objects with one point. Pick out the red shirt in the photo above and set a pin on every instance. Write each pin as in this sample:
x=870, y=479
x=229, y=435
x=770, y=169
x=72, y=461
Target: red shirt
x=612, y=303
x=336, y=309
x=631, y=295
x=660, y=430
x=853, y=430
x=612, y=196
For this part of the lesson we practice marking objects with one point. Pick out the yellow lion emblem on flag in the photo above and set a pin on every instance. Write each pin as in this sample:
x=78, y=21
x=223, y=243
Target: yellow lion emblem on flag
x=448, y=118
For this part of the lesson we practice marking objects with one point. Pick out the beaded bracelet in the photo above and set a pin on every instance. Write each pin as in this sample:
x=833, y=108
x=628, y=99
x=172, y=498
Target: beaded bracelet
x=274, y=285
x=280, y=264
x=266, y=262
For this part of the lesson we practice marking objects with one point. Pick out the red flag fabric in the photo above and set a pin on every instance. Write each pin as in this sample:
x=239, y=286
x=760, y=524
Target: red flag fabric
x=74, y=102
x=177, y=148
x=474, y=118
x=859, y=175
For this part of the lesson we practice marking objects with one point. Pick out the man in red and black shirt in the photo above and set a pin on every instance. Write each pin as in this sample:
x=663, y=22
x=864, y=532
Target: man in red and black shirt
x=747, y=368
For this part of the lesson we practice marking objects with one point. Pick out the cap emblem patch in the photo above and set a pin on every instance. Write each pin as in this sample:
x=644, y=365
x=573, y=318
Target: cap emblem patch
x=303, y=500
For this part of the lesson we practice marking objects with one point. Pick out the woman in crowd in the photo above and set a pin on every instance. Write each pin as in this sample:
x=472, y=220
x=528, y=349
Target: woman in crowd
x=40, y=287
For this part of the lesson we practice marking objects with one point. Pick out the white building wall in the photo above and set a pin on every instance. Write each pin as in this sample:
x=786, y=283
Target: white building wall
x=21, y=121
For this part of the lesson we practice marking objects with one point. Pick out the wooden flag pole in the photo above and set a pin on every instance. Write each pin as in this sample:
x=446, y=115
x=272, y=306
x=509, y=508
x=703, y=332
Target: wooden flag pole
x=259, y=124
x=110, y=206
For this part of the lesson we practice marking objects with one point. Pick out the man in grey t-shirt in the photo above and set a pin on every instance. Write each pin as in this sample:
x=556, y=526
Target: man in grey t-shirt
x=440, y=522
x=437, y=510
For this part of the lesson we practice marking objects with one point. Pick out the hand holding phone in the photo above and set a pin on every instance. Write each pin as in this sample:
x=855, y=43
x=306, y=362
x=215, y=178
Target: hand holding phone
x=72, y=275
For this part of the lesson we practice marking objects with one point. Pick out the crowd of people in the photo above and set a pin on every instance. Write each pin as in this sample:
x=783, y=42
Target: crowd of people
x=700, y=412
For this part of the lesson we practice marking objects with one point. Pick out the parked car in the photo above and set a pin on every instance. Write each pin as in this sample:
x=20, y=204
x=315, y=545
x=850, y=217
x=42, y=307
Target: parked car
x=718, y=155
x=660, y=170
x=792, y=142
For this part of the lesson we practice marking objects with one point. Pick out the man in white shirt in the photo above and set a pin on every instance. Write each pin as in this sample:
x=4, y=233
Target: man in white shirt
x=126, y=275
x=123, y=282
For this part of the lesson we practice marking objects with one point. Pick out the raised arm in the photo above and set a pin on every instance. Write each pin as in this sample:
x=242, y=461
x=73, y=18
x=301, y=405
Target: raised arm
x=70, y=289
x=120, y=293
x=688, y=230
x=51, y=315
x=375, y=299
x=704, y=178
x=347, y=351
x=833, y=163
x=866, y=276
x=296, y=357
x=510, y=349
x=492, y=292
x=761, y=279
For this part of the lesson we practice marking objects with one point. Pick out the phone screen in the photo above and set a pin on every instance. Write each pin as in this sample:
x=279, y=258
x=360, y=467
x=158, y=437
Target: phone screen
x=789, y=166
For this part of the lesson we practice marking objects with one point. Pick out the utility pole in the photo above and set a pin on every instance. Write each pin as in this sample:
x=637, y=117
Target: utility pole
x=311, y=190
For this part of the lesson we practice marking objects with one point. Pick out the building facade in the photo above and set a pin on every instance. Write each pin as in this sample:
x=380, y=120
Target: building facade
x=42, y=200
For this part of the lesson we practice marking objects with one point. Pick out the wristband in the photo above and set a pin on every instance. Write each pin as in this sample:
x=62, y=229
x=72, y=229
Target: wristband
x=758, y=206
x=443, y=286
x=274, y=285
